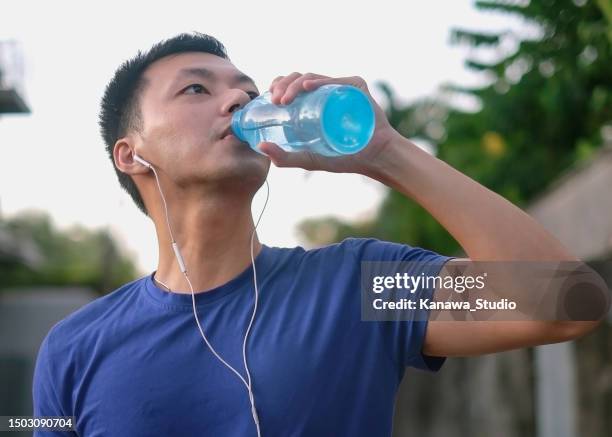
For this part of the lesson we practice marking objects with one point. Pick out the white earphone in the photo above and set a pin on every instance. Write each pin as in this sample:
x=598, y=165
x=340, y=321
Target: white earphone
x=183, y=269
x=142, y=161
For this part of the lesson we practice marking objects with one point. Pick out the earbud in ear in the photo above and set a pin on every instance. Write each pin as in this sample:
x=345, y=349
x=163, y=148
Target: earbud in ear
x=142, y=161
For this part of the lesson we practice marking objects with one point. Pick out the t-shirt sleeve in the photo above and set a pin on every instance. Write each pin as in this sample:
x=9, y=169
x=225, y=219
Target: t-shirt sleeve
x=405, y=338
x=44, y=396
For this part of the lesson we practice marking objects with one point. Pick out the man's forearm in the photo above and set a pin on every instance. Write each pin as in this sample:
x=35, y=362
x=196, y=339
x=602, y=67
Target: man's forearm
x=486, y=225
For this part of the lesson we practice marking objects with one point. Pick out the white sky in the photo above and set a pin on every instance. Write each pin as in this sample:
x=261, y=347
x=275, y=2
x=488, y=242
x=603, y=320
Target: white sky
x=54, y=159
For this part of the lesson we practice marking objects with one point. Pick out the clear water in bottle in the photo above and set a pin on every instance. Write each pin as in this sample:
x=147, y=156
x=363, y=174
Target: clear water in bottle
x=332, y=120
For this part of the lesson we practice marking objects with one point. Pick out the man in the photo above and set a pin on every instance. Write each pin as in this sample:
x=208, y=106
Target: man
x=133, y=362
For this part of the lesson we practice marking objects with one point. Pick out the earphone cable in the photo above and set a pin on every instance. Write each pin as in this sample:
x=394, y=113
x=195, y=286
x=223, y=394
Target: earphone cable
x=184, y=271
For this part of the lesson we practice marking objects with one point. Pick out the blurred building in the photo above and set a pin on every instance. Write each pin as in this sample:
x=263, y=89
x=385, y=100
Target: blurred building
x=577, y=209
x=12, y=100
x=26, y=315
x=12, y=249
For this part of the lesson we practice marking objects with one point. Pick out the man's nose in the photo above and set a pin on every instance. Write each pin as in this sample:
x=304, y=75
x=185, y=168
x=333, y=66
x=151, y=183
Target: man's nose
x=235, y=100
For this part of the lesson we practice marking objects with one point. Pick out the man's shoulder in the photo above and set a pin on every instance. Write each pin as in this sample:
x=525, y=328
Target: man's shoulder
x=347, y=244
x=91, y=315
x=356, y=246
x=371, y=249
x=332, y=255
x=301, y=254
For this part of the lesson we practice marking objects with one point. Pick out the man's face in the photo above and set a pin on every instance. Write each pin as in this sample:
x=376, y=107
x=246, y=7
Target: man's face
x=186, y=109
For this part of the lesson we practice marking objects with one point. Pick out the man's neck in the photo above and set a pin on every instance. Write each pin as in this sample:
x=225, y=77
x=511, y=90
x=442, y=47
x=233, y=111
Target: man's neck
x=214, y=238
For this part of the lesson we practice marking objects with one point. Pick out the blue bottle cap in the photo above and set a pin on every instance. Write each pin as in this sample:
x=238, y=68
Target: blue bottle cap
x=347, y=121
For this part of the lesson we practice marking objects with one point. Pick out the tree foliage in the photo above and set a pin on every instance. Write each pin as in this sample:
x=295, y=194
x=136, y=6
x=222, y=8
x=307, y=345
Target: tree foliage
x=75, y=257
x=547, y=105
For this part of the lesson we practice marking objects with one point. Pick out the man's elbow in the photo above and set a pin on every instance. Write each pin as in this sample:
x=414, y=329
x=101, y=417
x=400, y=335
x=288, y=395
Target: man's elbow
x=586, y=304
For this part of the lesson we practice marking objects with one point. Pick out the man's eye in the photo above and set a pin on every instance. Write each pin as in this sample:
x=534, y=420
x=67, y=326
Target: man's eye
x=195, y=88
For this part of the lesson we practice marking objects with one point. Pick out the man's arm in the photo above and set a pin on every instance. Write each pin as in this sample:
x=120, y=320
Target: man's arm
x=44, y=397
x=486, y=225
x=488, y=228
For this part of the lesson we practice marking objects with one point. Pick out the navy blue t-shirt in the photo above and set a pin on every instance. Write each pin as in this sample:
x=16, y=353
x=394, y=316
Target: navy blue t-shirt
x=133, y=363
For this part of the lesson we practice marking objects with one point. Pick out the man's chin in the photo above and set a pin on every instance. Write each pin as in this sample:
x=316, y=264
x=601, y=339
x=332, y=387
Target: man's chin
x=242, y=164
x=235, y=145
x=233, y=142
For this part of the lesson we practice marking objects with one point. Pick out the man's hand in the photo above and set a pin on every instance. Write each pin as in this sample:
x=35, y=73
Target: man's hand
x=285, y=88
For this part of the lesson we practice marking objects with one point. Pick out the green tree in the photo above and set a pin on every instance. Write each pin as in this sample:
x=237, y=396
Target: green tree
x=77, y=256
x=547, y=105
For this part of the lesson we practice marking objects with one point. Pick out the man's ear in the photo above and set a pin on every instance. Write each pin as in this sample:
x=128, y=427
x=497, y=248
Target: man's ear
x=123, y=155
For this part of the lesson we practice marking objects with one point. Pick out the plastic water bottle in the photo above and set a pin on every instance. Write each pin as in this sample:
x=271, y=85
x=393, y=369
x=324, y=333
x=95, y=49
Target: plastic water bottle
x=332, y=120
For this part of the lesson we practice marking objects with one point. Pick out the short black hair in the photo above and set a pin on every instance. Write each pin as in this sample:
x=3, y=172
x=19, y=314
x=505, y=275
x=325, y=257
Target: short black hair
x=120, y=107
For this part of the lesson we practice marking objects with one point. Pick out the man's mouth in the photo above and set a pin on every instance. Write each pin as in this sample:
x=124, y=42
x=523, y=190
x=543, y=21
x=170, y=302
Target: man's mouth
x=227, y=132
